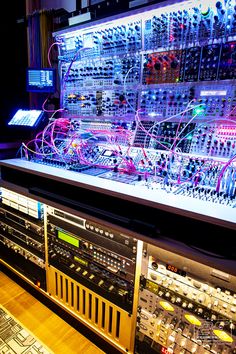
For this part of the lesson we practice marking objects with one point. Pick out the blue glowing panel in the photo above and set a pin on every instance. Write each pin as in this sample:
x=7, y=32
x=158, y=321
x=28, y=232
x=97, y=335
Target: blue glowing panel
x=26, y=118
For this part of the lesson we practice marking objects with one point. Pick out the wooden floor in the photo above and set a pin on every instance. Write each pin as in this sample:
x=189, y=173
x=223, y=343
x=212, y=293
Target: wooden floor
x=49, y=328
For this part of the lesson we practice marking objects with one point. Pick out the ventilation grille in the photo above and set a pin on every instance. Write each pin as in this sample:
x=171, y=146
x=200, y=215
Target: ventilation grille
x=103, y=316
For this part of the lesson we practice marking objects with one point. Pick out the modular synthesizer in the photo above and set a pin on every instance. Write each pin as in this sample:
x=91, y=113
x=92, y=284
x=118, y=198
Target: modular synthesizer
x=149, y=99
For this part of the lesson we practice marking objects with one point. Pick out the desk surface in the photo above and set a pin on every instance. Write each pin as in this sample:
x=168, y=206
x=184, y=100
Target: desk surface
x=208, y=211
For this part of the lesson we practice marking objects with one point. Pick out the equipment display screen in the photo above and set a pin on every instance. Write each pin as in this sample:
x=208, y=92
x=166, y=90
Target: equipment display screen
x=213, y=93
x=81, y=261
x=41, y=80
x=176, y=270
x=68, y=238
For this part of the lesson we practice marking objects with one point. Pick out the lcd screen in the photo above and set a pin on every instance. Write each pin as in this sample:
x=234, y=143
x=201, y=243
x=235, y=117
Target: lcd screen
x=41, y=80
x=68, y=238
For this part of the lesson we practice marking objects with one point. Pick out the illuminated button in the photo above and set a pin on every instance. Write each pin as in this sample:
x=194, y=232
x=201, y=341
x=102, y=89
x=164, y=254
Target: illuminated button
x=96, y=229
x=166, y=306
x=223, y=336
x=91, y=227
x=192, y=319
x=111, y=236
x=106, y=233
x=101, y=231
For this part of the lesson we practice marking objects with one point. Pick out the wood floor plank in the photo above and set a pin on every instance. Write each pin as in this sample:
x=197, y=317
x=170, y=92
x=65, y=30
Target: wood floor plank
x=48, y=327
x=7, y=290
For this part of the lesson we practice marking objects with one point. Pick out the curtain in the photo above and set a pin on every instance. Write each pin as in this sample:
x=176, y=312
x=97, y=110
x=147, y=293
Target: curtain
x=40, y=28
x=39, y=34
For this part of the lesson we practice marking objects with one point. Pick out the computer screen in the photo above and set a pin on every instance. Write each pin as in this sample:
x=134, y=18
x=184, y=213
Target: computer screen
x=41, y=80
x=26, y=118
